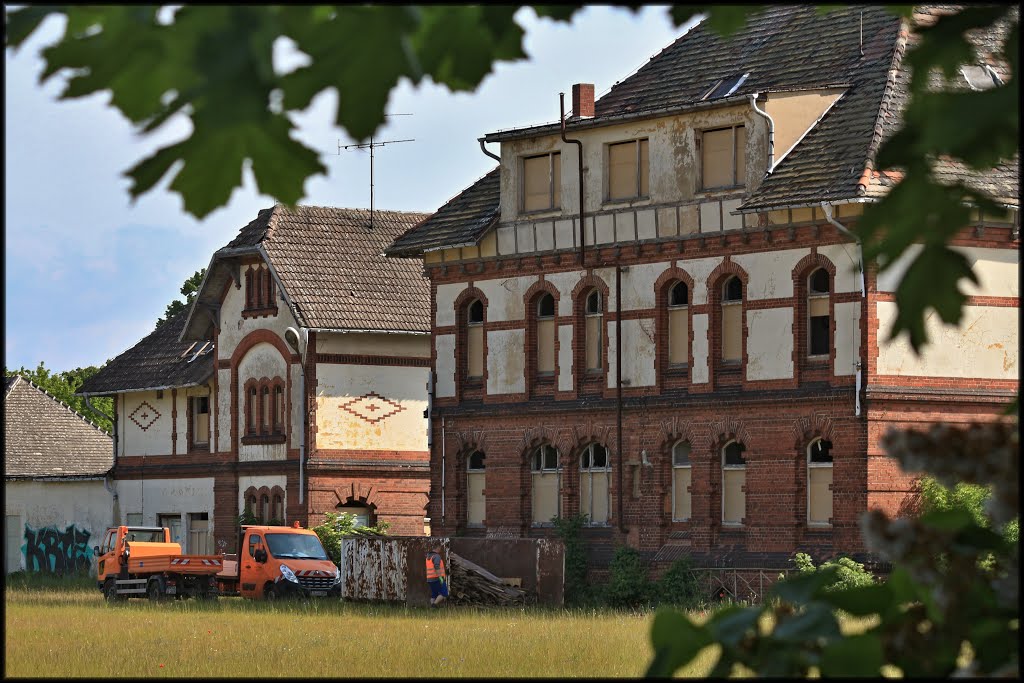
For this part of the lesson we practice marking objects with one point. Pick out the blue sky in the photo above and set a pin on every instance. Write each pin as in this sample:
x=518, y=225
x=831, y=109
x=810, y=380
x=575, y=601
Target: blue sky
x=87, y=273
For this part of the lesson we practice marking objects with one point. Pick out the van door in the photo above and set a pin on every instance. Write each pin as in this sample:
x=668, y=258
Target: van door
x=252, y=574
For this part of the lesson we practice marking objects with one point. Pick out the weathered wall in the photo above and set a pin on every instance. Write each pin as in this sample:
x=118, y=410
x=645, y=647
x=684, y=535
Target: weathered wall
x=506, y=361
x=261, y=361
x=144, y=423
x=770, y=343
x=234, y=327
x=795, y=112
x=152, y=497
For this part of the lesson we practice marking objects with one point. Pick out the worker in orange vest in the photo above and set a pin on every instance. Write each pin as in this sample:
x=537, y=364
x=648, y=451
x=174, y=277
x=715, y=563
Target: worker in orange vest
x=437, y=578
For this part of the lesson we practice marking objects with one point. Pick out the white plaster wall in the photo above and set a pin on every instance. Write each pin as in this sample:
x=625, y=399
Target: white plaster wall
x=565, y=283
x=770, y=273
x=58, y=504
x=699, y=269
x=847, y=339
x=296, y=405
x=262, y=360
x=638, y=285
x=445, y=365
x=405, y=345
x=224, y=410
x=505, y=297
x=637, y=352
x=259, y=481
x=152, y=497
x=446, y=295
x=844, y=257
x=997, y=270
x=565, y=357
x=699, y=371
x=344, y=389
x=506, y=361
x=156, y=438
x=770, y=343
x=984, y=345
x=234, y=327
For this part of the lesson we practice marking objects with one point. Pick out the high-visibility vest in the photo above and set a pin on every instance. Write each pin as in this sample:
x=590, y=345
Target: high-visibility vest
x=434, y=573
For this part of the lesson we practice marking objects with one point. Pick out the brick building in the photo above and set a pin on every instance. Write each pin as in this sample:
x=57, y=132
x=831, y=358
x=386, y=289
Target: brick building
x=714, y=200
x=296, y=384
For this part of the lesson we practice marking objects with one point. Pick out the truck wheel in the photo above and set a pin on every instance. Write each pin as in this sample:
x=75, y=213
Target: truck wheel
x=110, y=591
x=153, y=590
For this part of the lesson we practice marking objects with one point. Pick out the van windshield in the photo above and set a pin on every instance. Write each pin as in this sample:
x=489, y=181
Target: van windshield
x=296, y=547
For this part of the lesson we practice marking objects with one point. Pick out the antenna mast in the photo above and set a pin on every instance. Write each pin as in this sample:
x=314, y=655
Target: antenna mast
x=371, y=145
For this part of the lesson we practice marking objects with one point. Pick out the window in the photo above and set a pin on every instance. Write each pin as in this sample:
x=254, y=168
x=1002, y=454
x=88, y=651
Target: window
x=819, y=482
x=475, y=506
x=732, y=320
x=681, y=478
x=277, y=509
x=264, y=411
x=594, y=316
x=264, y=508
x=255, y=542
x=723, y=158
x=595, y=470
x=199, y=414
x=200, y=541
x=251, y=396
x=475, y=340
x=546, y=334
x=678, y=324
x=628, y=170
x=363, y=514
x=259, y=289
x=818, y=320
x=734, y=477
x=542, y=184
x=545, y=471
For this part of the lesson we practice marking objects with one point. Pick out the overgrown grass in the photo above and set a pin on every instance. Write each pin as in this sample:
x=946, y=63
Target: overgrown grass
x=67, y=631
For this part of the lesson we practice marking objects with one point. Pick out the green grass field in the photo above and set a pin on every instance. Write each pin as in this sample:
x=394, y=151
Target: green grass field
x=58, y=631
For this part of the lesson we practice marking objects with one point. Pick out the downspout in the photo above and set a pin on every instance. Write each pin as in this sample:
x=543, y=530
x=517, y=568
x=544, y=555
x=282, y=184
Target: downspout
x=115, y=506
x=490, y=154
x=618, y=385
x=442, y=474
x=301, y=340
x=827, y=208
x=561, y=104
x=771, y=133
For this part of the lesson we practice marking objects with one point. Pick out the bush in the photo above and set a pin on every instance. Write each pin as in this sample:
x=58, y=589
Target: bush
x=339, y=525
x=970, y=498
x=680, y=586
x=849, y=574
x=569, y=530
x=628, y=585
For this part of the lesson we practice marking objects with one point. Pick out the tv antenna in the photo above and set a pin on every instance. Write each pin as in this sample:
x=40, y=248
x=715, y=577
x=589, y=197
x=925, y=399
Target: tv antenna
x=371, y=145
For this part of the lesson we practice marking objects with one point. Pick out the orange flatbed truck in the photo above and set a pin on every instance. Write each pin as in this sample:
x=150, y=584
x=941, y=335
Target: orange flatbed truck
x=276, y=562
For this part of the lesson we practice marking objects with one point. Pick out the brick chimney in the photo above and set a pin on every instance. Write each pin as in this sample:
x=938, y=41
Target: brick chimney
x=583, y=100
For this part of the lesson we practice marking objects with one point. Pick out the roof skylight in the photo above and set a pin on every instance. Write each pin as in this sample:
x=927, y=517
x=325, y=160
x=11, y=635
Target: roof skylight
x=725, y=87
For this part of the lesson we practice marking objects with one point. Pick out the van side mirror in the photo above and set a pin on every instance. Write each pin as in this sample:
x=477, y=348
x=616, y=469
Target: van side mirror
x=96, y=550
x=260, y=555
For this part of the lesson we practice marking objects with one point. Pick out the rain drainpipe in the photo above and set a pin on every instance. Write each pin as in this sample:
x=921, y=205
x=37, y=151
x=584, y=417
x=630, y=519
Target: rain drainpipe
x=771, y=133
x=827, y=208
x=442, y=473
x=561, y=106
x=484, y=150
x=301, y=339
x=618, y=384
x=115, y=507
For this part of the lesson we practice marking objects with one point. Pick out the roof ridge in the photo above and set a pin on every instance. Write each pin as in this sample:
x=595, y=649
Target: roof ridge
x=71, y=410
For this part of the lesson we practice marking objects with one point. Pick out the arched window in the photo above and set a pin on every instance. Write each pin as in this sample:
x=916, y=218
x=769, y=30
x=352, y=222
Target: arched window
x=277, y=510
x=545, y=470
x=279, y=409
x=819, y=482
x=732, y=320
x=681, y=478
x=252, y=507
x=594, y=314
x=264, y=508
x=734, y=477
x=252, y=410
x=595, y=470
x=818, y=320
x=475, y=506
x=545, y=334
x=265, y=410
x=475, y=339
x=678, y=324
x=365, y=515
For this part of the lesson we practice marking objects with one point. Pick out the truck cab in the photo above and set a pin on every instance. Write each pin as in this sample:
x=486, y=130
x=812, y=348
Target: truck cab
x=279, y=561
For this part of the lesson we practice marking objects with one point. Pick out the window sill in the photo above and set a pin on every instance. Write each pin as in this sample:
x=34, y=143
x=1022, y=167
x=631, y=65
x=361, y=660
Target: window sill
x=818, y=359
x=259, y=312
x=541, y=213
x=818, y=526
x=625, y=202
x=721, y=188
x=732, y=526
x=262, y=439
x=199, y=448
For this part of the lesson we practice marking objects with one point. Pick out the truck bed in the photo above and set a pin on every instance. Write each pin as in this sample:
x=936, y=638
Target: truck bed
x=180, y=564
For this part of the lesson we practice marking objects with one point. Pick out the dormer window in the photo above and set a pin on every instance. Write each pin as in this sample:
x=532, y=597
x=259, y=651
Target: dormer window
x=725, y=87
x=542, y=184
x=723, y=158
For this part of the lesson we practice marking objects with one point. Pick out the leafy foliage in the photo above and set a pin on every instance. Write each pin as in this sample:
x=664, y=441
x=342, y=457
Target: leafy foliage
x=680, y=586
x=628, y=585
x=189, y=289
x=848, y=573
x=63, y=386
x=970, y=498
x=569, y=530
x=337, y=526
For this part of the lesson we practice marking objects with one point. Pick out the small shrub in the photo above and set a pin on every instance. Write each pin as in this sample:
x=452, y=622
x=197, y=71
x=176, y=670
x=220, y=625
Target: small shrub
x=680, y=586
x=577, y=591
x=339, y=525
x=628, y=585
x=850, y=574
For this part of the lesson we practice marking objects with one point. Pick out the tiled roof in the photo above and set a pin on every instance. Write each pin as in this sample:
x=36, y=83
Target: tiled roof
x=43, y=437
x=331, y=267
x=158, y=361
x=463, y=220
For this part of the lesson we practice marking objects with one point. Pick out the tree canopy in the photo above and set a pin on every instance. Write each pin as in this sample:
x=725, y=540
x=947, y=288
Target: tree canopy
x=189, y=288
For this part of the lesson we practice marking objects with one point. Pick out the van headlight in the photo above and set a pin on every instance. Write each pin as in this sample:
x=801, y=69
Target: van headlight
x=337, y=577
x=288, y=574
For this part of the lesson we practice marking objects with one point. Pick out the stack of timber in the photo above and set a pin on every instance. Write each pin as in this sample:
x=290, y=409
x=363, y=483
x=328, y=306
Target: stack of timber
x=471, y=584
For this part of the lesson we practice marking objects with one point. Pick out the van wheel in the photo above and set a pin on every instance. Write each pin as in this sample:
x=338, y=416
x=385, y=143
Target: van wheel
x=153, y=590
x=272, y=593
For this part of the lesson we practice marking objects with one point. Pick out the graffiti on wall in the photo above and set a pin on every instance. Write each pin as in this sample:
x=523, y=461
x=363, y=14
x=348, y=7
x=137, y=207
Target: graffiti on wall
x=48, y=549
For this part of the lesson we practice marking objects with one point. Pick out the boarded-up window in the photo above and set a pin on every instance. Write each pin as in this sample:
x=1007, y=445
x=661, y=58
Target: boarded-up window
x=595, y=325
x=819, y=482
x=681, y=478
x=279, y=410
x=546, y=334
x=475, y=340
x=595, y=470
x=200, y=420
x=628, y=174
x=734, y=477
x=253, y=410
x=723, y=158
x=678, y=324
x=818, y=320
x=542, y=182
x=265, y=410
x=732, y=320
x=545, y=472
x=475, y=506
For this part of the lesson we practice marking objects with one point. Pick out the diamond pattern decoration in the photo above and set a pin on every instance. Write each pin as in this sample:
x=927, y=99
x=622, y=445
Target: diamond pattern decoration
x=147, y=415
x=372, y=407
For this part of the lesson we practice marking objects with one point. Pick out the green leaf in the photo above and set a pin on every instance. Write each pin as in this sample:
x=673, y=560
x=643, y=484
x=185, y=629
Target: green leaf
x=280, y=163
x=860, y=655
x=730, y=624
x=861, y=600
x=814, y=622
x=947, y=520
x=558, y=12
x=21, y=23
x=728, y=19
x=676, y=641
x=802, y=588
x=681, y=14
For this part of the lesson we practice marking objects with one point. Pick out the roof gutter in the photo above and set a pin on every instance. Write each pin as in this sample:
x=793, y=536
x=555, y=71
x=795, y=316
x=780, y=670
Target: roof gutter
x=338, y=330
x=112, y=392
